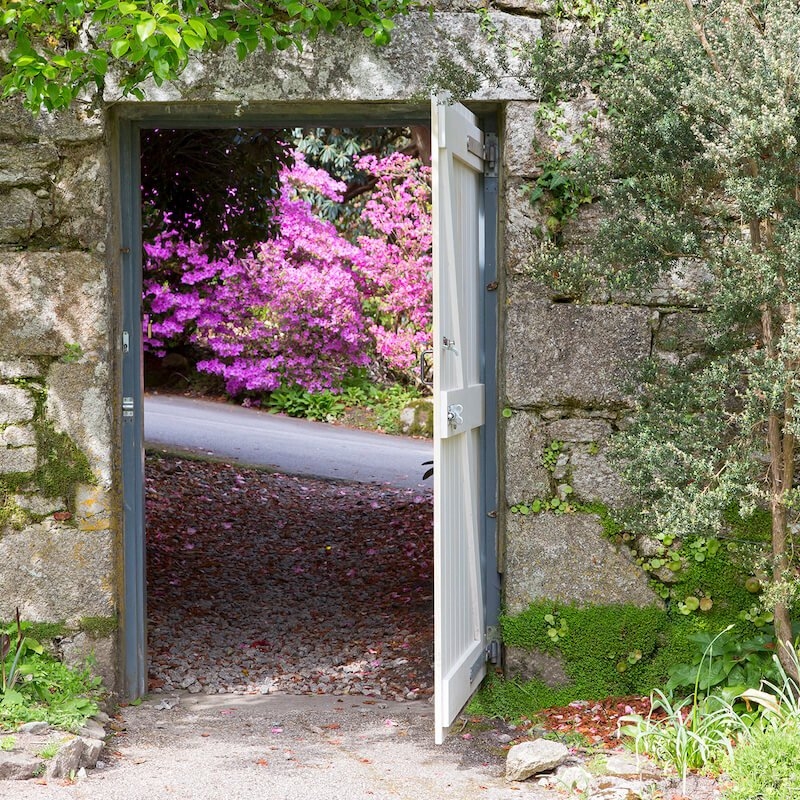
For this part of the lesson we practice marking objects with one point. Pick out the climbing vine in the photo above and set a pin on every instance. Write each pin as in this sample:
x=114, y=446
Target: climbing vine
x=59, y=49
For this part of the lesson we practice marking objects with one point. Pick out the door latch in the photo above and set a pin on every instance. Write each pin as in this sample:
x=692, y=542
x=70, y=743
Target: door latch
x=449, y=344
x=455, y=413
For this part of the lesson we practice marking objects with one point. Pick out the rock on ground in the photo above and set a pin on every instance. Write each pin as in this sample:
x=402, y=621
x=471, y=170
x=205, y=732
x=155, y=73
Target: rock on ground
x=531, y=758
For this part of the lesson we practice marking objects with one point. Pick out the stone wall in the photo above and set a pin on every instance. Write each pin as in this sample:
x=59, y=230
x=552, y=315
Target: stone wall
x=560, y=364
x=58, y=532
x=567, y=372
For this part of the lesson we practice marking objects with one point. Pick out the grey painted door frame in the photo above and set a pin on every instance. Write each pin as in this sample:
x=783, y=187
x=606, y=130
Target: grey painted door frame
x=130, y=120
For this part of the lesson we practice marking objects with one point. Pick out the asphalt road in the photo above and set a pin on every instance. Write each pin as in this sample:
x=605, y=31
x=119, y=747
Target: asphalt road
x=284, y=444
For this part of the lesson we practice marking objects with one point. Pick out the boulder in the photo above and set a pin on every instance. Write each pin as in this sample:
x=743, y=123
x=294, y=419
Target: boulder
x=531, y=758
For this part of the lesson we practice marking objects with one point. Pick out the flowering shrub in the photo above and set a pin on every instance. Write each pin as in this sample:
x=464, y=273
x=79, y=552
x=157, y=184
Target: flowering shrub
x=307, y=306
x=396, y=258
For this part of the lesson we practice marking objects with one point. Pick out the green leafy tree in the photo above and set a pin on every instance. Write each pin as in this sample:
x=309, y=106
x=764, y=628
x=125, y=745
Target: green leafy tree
x=57, y=49
x=696, y=164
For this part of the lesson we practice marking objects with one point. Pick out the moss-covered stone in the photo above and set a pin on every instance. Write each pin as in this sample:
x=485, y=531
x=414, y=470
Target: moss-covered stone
x=60, y=467
x=99, y=626
x=604, y=649
x=416, y=419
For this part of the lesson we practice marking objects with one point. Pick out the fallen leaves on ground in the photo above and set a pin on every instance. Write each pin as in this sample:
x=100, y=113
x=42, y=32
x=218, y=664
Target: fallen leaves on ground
x=315, y=585
x=597, y=721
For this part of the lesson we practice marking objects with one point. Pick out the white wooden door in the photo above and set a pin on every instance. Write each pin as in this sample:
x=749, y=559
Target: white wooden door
x=459, y=628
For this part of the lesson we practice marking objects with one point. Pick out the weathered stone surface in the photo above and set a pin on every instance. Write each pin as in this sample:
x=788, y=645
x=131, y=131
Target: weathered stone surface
x=531, y=758
x=686, y=285
x=67, y=760
x=16, y=405
x=525, y=440
x=594, y=480
x=416, y=419
x=519, y=158
x=619, y=789
x=17, y=459
x=681, y=334
x=74, y=650
x=82, y=197
x=567, y=559
x=353, y=69
x=586, y=431
x=18, y=766
x=17, y=436
x=77, y=403
x=34, y=728
x=26, y=164
x=56, y=573
x=533, y=7
x=572, y=779
x=78, y=124
x=630, y=766
x=37, y=504
x=519, y=226
x=92, y=730
x=93, y=508
x=568, y=354
x=92, y=749
x=21, y=215
x=51, y=299
x=528, y=665
x=18, y=368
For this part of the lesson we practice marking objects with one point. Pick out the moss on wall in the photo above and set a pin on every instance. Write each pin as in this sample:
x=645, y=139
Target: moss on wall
x=60, y=467
x=98, y=627
x=619, y=650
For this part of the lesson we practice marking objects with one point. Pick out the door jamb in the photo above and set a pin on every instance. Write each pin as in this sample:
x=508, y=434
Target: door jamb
x=130, y=121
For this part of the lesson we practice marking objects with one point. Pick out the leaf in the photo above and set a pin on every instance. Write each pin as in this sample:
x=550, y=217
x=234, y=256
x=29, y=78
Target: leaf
x=197, y=25
x=172, y=34
x=161, y=68
x=145, y=29
x=193, y=42
x=120, y=47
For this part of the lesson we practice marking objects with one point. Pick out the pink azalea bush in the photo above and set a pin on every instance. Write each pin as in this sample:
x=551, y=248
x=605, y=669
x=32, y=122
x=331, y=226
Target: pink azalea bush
x=309, y=305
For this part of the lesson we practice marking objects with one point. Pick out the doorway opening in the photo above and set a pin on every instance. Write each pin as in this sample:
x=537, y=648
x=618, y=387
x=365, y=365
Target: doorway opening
x=179, y=548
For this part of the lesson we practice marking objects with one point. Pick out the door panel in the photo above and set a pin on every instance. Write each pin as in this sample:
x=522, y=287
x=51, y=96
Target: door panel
x=459, y=625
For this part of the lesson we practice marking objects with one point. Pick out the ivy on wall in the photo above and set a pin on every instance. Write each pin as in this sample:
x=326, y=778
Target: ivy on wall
x=59, y=49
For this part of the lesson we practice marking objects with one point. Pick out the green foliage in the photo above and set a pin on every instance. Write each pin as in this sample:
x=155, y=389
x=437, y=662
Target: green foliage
x=688, y=735
x=384, y=402
x=36, y=686
x=551, y=454
x=538, y=505
x=511, y=699
x=60, y=49
x=298, y=402
x=72, y=352
x=766, y=767
x=7, y=743
x=49, y=751
x=696, y=179
x=46, y=631
x=725, y=661
x=558, y=193
x=606, y=650
x=557, y=627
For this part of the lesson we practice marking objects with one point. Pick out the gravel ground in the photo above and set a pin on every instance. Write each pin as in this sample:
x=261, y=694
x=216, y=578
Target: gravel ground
x=262, y=582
